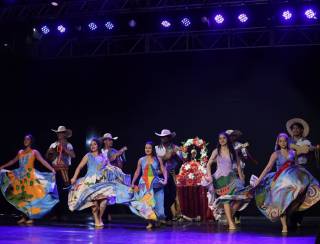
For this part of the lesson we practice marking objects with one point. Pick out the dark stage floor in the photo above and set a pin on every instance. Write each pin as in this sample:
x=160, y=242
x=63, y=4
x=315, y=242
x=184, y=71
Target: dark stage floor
x=129, y=229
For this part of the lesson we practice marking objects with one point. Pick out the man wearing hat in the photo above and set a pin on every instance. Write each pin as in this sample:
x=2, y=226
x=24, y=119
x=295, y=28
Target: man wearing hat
x=172, y=158
x=116, y=157
x=60, y=154
x=298, y=130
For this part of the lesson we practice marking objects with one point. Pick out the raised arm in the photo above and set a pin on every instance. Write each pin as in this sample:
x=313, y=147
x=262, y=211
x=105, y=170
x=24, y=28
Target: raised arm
x=43, y=162
x=269, y=166
x=118, y=153
x=136, y=173
x=11, y=162
x=164, y=171
x=83, y=162
x=209, y=164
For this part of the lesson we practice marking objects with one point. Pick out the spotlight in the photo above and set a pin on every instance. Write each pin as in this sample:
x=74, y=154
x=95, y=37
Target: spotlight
x=92, y=26
x=61, y=29
x=132, y=23
x=219, y=19
x=243, y=18
x=310, y=14
x=109, y=25
x=186, y=22
x=286, y=14
x=45, y=29
x=165, y=23
x=55, y=4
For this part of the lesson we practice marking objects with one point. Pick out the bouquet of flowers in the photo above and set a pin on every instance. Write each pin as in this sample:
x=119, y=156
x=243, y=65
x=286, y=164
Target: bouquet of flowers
x=193, y=171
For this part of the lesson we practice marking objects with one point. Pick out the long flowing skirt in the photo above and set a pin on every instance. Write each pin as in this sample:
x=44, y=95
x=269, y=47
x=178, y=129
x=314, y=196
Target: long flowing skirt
x=32, y=192
x=228, y=189
x=291, y=188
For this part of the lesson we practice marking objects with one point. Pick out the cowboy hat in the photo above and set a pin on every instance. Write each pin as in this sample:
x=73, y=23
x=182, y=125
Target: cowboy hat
x=306, y=128
x=63, y=129
x=108, y=136
x=166, y=132
x=236, y=133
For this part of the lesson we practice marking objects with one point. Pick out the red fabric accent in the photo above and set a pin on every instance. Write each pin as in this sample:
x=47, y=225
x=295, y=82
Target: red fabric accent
x=194, y=202
x=282, y=168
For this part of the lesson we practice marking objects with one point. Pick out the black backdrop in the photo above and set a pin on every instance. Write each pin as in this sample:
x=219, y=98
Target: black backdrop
x=195, y=94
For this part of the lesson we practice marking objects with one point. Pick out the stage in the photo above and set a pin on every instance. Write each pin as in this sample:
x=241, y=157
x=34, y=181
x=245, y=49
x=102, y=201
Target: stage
x=79, y=229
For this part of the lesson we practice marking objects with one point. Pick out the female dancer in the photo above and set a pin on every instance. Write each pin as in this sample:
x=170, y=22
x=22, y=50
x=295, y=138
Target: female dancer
x=150, y=183
x=291, y=188
x=225, y=181
x=32, y=192
x=104, y=184
x=90, y=190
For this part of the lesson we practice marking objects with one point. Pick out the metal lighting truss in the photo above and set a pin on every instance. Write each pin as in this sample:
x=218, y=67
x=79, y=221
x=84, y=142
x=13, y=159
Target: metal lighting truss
x=154, y=43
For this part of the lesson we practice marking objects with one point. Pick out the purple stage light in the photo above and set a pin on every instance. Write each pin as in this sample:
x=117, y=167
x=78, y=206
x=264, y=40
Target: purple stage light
x=45, y=29
x=310, y=14
x=92, y=26
x=165, y=23
x=243, y=18
x=287, y=14
x=186, y=22
x=61, y=29
x=109, y=25
x=219, y=19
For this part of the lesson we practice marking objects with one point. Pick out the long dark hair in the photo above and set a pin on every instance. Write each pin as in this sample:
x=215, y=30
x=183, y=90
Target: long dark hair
x=153, y=148
x=96, y=140
x=232, y=152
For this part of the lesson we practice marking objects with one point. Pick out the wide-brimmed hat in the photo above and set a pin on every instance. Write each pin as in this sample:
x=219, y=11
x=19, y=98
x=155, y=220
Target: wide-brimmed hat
x=166, y=132
x=305, y=125
x=236, y=133
x=63, y=129
x=108, y=136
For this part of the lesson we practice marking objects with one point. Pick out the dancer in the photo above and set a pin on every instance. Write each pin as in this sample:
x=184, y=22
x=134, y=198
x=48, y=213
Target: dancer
x=103, y=185
x=243, y=154
x=116, y=158
x=90, y=191
x=226, y=184
x=172, y=158
x=32, y=192
x=150, y=183
x=292, y=188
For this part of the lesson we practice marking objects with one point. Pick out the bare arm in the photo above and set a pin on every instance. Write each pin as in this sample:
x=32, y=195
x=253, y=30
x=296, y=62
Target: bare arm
x=136, y=173
x=268, y=167
x=11, y=162
x=209, y=164
x=164, y=171
x=43, y=162
x=83, y=162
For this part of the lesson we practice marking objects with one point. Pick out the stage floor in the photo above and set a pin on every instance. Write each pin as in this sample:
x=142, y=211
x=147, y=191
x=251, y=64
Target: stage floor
x=128, y=229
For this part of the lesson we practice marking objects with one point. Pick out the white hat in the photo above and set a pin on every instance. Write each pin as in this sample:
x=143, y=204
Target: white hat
x=108, y=136
x=63, y=129
x=166, y=132
x=306, y=128
x=236, y=133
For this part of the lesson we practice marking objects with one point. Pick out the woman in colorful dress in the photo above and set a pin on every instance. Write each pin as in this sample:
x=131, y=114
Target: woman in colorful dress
x=32, y=192
x=150, y=185
x=292, y=188
x=90, y=190
x=226, y=184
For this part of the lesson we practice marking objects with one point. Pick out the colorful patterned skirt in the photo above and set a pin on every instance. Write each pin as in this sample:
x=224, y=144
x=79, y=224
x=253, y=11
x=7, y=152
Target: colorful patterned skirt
x=291, y=188
x=228, y=189
x=32, y=192
x=111, y=185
